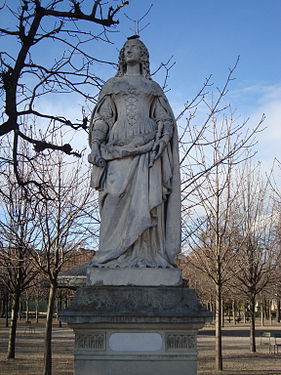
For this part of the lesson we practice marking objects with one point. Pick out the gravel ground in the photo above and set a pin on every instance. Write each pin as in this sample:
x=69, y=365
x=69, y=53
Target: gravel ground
x=237, y=358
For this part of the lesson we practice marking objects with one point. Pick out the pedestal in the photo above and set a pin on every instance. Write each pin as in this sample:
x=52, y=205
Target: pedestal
x=134, y=276
x=135, y=330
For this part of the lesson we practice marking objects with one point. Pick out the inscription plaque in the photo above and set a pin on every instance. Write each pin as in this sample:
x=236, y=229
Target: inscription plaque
x=135, y=342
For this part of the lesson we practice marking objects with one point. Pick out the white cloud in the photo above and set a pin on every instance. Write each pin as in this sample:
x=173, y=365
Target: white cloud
x=269, y=140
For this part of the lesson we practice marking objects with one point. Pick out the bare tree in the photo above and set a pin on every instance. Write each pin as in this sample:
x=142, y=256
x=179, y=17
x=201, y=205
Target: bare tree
x=278, y=281
x=37, y=293
x=275, y=186
x=18, y=235
x=209, y=194
x=210, y=240
x=209, y=119
x=64, y=219
x=197, y=279
x=4, y=302
x=70, y=30
x=259, y=254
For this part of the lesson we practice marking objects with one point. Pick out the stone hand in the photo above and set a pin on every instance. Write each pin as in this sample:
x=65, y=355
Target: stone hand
x=158, y=148
x=95, y=157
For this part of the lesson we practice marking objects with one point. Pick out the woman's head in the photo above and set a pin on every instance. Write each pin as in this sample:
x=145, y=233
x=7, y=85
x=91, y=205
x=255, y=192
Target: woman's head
x=143, y=57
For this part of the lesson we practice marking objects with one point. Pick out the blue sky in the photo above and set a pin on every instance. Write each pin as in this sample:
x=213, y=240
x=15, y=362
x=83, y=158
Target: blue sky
x=205, y=37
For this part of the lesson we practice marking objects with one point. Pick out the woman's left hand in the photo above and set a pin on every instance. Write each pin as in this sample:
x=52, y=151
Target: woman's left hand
x=159, y=147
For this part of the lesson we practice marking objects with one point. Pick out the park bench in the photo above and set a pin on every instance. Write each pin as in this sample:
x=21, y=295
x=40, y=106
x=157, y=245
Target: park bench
x=272, y=340
x=276, y=342
x=266, y=340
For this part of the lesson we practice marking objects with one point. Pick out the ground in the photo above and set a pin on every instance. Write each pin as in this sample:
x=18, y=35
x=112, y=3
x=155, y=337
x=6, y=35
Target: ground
x=237, y=358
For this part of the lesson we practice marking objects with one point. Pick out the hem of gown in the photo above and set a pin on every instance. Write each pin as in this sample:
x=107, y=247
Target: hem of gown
x=137, y=262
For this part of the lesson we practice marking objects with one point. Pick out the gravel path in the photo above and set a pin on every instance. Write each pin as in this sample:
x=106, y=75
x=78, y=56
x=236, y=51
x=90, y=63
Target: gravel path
x=237, y=358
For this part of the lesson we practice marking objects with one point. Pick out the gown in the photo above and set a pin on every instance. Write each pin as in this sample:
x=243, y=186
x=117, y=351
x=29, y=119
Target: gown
x=139, y=197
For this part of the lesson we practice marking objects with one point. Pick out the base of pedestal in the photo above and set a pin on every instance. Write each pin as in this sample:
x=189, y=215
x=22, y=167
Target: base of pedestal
x=134, y=276
x=152, y=367
x=135, y=330
x=146, y=350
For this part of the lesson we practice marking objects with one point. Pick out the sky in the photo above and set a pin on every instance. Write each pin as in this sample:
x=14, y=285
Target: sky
x=205, y=37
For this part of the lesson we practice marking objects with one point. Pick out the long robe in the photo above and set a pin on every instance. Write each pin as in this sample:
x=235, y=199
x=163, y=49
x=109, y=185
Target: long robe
x=139, y=196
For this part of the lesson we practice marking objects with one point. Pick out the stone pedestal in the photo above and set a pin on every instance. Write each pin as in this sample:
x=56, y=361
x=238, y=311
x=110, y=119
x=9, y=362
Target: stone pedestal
x=135, y=330
x=134, y=276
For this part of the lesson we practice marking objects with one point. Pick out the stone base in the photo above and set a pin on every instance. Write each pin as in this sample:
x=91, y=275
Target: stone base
x=135, y=330
x=134, y=276
x=125, y=367
x=133, y=351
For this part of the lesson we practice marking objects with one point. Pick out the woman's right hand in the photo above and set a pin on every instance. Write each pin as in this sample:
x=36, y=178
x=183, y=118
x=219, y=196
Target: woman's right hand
x=95, y=156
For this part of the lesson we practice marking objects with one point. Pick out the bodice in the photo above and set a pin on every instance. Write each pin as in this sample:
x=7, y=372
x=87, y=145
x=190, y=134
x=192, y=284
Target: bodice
x=133, y=98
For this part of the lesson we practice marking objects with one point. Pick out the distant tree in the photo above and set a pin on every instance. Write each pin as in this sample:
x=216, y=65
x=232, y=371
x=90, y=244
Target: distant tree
x=67, y=28
x=4, y=302
x=275, y=186
x=209, y=195
x=259, y=256
x=18, y=234
x=278, y=294
x=278, y=271
x=37, y=293
x=64, y=218
x=207, y=121
x=198, y=280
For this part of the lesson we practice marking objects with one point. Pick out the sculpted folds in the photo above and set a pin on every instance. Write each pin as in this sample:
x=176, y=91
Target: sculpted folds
x=133, y=138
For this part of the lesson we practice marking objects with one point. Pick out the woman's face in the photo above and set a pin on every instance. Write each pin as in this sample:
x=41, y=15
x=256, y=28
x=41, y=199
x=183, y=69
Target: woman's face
x=132, y=52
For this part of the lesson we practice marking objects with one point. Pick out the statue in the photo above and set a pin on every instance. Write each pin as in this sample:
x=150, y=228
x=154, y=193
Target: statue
x=135, y=167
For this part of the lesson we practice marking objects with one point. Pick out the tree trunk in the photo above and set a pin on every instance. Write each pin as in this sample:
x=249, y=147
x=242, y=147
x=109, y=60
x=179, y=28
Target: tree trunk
x=253, y=325
x=47, y=366
x=59, y=308
x=245, y=313
x=20, y=310
x=37, y=311
x=27, y=310
x=219, y=365
x=266, y=309
x=222, y=313
x=278, y=317
x=2, y=307
x=7, y=302
x=11, y=354
x=262, y=314
x=233, y=312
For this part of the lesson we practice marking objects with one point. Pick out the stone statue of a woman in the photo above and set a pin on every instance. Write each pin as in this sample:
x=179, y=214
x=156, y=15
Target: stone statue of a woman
x=134, y=153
